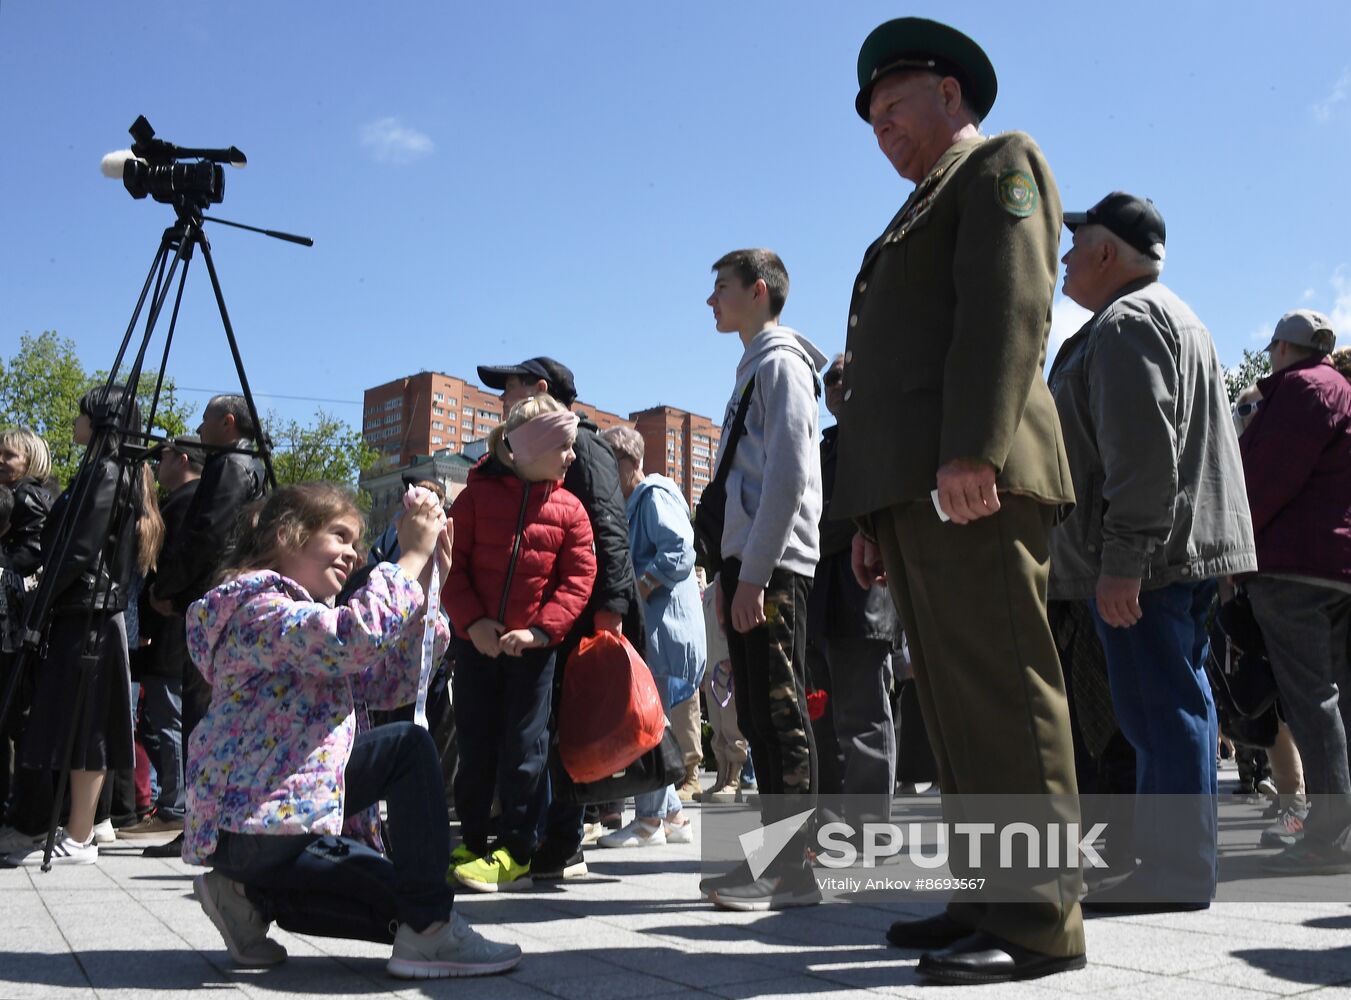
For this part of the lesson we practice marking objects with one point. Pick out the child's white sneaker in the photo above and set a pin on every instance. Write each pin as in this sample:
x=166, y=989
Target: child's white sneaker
x=104, y=832
x=456, y=950
x=679, y=833
x=636, y=834
x=66, y=851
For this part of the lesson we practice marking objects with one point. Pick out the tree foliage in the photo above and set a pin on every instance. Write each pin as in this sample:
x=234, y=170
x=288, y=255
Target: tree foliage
x=1255, y=365
x=41, y=386
x=327, y=450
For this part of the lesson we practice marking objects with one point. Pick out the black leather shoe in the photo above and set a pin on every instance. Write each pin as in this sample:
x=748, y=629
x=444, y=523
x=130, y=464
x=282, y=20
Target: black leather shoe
x=1130, y=895
x=984, y=958
x=172, y=849
x=932, y=932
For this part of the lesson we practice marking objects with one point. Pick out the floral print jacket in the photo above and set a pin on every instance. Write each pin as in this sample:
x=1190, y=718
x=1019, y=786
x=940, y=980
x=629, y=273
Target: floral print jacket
x=286, y=676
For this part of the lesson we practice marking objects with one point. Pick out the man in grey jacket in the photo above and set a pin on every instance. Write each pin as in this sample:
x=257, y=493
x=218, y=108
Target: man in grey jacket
x=770, y=546
x=1161, y=514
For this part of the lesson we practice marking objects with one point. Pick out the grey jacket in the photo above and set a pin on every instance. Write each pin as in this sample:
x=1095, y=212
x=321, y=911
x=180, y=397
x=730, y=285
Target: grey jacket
x=1152, y=450
x=774, y=484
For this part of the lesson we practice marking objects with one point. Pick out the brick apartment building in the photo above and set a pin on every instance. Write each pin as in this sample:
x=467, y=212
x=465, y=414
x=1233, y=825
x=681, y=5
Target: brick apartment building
x=432, y=413
x=680, y=445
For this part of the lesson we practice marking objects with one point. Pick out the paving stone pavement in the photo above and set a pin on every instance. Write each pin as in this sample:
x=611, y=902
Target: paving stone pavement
x=130, y=928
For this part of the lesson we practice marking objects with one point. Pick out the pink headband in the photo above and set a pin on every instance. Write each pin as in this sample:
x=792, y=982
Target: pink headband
x=541, y=435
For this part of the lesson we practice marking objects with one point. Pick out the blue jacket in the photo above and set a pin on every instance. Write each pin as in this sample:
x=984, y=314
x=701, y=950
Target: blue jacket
x=662, y=543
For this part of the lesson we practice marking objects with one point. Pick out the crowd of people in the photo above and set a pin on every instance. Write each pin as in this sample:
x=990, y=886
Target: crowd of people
x=1032, y=565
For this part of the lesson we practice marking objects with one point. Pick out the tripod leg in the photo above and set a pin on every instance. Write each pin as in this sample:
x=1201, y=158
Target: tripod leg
x=234, y=352
x=88, y=663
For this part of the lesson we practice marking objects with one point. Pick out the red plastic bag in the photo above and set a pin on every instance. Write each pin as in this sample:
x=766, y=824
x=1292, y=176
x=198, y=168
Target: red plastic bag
x=610, y=713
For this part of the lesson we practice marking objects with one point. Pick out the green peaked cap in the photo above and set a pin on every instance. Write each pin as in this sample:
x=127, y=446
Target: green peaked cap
x=916, y=43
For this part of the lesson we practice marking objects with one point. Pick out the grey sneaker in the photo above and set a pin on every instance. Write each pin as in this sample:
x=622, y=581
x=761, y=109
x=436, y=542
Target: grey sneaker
x=12, y=840
x=457, y=950
x=239, y=922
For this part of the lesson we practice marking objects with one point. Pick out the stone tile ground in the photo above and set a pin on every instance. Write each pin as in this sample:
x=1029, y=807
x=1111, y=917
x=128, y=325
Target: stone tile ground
x=129, y=928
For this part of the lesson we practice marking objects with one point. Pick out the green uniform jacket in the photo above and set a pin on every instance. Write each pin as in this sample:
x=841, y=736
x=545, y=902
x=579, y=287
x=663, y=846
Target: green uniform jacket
x=947, y=334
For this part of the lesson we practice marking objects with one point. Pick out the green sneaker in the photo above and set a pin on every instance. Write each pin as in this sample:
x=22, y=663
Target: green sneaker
x=498, y=872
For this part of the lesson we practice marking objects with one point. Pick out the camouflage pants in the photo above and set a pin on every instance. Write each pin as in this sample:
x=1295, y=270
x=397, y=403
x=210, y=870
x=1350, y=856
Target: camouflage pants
x=769, y=671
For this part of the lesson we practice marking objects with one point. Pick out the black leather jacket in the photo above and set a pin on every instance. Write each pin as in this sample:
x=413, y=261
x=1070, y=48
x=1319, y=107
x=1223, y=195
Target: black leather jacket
x=230, y=481
x=594, y=479
x=101, y=555
x=22, y=544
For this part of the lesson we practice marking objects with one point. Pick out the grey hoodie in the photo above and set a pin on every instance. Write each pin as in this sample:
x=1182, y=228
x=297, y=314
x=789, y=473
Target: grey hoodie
x=774, y=484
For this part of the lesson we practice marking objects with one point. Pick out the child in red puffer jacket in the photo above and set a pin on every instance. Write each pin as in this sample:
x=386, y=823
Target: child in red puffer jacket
x=522, y=571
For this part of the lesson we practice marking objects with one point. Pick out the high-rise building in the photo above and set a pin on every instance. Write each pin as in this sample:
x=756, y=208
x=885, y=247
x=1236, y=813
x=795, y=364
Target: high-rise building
x=426, y=413
x=433, y=412
x=680, y=445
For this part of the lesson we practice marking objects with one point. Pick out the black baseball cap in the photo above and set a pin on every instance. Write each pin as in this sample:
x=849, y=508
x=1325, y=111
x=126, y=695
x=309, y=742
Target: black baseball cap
x=555, y=373
x=1135, y=220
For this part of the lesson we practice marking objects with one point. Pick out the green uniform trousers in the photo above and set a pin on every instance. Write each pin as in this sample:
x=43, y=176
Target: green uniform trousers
x=972, y=600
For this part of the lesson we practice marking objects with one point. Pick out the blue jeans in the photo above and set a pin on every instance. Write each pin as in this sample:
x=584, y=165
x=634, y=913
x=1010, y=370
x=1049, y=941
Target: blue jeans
x=338, y=887
x=660, y=802
x=162, y=737
x=1164, y=706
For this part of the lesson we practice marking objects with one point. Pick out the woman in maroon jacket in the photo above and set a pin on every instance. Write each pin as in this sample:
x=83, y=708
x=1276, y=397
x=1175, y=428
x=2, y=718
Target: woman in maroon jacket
x=522, y=571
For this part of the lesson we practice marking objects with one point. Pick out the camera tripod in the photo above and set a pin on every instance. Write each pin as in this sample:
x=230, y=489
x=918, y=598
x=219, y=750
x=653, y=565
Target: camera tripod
x=115, y=438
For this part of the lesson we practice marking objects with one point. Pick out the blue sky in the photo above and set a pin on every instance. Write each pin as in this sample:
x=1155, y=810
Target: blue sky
x=490, y=181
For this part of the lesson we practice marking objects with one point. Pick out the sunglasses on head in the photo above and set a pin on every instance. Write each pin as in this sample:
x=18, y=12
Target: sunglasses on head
x=832, y=378
x=1246, y=409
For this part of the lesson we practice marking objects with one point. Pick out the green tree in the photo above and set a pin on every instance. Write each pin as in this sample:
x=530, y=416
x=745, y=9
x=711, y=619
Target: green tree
x=327, y=450
x=1255, y=365
x=40, y=388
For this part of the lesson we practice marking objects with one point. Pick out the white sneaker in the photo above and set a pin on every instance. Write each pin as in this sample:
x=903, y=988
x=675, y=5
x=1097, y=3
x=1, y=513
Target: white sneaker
x=12, y=840
x=636, y=834
x=239, y=922
x=679, y=833
x=104, y=832
x=66, y=851
x=456, y=950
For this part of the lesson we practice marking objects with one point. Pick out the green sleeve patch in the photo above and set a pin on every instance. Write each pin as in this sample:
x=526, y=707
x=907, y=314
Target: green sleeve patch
x=1016, y=193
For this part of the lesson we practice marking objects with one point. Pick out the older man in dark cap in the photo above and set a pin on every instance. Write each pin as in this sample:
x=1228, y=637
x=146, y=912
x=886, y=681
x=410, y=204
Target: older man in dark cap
x=1297, y=456
x=951, y=463
x=1162, y=513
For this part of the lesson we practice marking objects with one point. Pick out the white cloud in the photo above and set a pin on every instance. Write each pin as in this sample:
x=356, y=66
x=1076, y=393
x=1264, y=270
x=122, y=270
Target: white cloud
x=1067, y=316
x=1340, y=313
x=390, y=141
x=1341, y=90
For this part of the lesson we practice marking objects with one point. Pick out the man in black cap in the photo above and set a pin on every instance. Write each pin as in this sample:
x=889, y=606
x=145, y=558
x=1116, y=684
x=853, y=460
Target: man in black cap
x=594, y=479
x=1161, y=514
x=951, y=465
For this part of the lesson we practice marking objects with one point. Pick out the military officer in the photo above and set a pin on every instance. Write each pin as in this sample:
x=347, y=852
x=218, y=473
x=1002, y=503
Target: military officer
x=943, y=392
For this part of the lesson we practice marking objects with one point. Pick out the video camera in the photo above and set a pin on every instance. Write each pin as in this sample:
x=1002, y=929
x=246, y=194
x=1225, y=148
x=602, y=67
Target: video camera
x=153, y=169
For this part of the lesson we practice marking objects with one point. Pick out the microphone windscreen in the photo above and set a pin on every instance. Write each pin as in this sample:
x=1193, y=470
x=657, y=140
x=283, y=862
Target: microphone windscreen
x=112, y=163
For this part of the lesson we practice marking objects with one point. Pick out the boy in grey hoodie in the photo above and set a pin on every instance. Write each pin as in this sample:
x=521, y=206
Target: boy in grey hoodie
x=770, y=546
